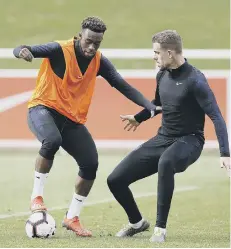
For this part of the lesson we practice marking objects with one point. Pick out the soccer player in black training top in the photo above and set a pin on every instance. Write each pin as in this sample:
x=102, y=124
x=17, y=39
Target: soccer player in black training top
x=59, y=106
x=183, y=96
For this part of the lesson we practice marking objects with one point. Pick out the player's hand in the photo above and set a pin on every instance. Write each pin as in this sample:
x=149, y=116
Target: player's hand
x=131, y=124
x=226, y=163
x=26, y=55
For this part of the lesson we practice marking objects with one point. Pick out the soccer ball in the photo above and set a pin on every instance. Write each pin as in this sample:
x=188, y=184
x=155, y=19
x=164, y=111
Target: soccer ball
x=40, y=225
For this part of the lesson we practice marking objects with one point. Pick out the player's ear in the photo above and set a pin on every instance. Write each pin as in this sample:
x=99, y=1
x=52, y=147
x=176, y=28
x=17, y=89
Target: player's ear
x=170, y=54
x=77, y=37
x=80, y=35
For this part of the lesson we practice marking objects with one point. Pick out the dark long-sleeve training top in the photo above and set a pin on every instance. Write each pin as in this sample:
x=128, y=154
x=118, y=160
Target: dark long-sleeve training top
x=186, y=97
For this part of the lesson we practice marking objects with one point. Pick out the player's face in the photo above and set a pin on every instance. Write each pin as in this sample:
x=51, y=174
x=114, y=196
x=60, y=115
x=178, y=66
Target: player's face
x=163, y=57
x=90, y=42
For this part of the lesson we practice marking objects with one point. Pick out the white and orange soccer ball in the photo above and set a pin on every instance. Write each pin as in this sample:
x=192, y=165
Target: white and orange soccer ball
x=40, y=225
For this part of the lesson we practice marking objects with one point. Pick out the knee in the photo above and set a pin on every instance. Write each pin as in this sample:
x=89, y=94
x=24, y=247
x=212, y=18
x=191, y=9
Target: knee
x=50, y=146
x=52, y=143
x=165, y=167
x=110, y=181
x=113, y=182
x=88, y=171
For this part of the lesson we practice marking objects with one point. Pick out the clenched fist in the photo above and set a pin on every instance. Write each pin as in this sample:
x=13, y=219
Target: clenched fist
x=26, y=55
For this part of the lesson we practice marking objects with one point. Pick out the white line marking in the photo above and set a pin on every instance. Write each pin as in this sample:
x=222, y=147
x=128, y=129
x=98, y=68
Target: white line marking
x=14, y=100
x=20, y=214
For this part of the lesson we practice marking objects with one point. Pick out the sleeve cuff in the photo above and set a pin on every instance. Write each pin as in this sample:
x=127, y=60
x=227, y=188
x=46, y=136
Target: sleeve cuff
x=144, y=115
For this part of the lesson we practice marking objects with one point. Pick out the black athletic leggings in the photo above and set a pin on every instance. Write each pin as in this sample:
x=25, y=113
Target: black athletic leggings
x=54, y=130
x=161, y=154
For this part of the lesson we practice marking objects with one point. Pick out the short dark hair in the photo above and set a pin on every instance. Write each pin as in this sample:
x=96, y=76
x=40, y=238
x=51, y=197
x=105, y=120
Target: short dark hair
x=168, y=39
x=94, y=24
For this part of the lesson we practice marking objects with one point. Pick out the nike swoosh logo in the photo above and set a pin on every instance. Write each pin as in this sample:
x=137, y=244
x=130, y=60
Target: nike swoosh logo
x=78, y=200
x=14, y=100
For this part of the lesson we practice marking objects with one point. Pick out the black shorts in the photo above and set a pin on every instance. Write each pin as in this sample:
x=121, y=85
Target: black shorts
x=54, y=129
x=175, y=152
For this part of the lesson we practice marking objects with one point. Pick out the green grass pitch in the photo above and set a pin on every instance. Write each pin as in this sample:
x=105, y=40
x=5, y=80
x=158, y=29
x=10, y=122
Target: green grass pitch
x=199, y=215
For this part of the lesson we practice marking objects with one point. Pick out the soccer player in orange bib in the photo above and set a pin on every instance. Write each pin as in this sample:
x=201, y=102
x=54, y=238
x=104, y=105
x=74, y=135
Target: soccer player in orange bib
x=59, y=105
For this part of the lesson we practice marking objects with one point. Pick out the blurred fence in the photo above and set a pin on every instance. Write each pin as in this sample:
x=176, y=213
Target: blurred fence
x=6, y=53
x=103, y=119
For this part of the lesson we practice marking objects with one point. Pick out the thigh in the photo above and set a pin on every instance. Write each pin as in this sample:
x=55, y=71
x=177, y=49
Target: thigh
x=182, y=153
x=78, y=142
x=141, y=162
x=42, y=123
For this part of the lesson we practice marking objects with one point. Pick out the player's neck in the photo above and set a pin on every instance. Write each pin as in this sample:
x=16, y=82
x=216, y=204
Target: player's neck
x=178, y=61
x=78, y=48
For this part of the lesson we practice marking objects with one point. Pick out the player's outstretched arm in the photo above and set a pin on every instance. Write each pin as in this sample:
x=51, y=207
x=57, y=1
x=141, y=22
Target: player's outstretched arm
x=47, y=50
x=208, y=103
x=145, y=115
x=131, y=121
x=108, y=72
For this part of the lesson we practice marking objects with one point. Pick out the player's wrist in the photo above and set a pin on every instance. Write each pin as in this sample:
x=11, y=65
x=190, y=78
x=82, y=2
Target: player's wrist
x=142, y=116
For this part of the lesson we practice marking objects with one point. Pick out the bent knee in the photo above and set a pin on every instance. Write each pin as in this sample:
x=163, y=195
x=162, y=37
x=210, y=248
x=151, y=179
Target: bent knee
x=115, y=181
x=88, y=172
x=165, y=166
x=50, y=146
x=111, y=180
